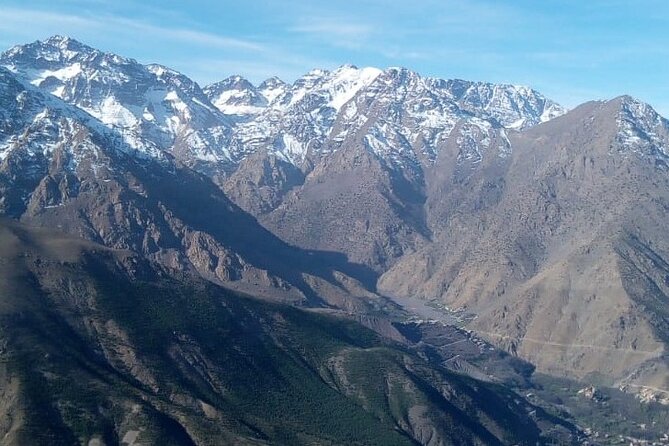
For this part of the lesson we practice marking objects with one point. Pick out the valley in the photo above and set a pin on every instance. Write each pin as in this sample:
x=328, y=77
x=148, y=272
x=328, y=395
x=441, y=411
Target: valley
x=361, y=256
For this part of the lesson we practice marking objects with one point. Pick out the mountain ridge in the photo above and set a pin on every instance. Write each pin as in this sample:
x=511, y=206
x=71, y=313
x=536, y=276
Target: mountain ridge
x=63, y=168
x=64, y=61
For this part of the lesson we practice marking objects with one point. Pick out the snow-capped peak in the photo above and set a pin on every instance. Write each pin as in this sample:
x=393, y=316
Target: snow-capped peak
x=25, y=106
x=641, y=129
x=347, y=81
x=57, y=50
x=400, y=74
x=515, y=107
x=327, y=88
x=272, y=88
x=162, y=71
x=236, y=96
x=233, y=118
x=149, y=101
x=62, y=42
x=231, y=83
x=397, y=105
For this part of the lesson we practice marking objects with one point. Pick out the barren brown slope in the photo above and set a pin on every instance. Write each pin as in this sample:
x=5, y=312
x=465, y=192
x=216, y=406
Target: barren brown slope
x=353, y=203
x=61, y=168
x=101, y=346
x=561, y=250
x=364, y=175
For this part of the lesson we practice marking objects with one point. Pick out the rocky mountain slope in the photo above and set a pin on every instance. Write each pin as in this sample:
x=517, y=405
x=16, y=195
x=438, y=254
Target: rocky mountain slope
x=560, y=250
x=546, y=227
x=149, y=102
x=62, y=168
x=275, y=148
x=520, y=228
x=318, y=145
x=99, y=346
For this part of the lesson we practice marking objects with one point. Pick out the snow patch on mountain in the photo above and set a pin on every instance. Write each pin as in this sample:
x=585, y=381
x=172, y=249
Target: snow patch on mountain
x=473, y=140
x=401, y=114
x=62, y=74
x=346, y=82
x=148, y=102
x=272, y=88
x=236, y=96
x=36, y=123
x=641, y=130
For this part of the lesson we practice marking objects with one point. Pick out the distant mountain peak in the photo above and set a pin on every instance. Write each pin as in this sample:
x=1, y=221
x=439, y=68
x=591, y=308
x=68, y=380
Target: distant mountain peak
x=236, y=96
x=36, y=112
x=236, y=82
x=401, y=74
x=641, y=130
x=148, y=101
x=635, y=107
x=272, y=88
x=68, y=46
x=65, y=42
x=58, y=39
x=228, y=120
x=317, y=72
x=271, y=82
x=44, y=54
x=162, y=70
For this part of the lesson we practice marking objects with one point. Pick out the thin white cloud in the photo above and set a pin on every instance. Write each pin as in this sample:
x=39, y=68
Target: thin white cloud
x=13, y=19
x=287, y=67
x=22, y=21
x=188, y=35
x=252, y=59
x=342, y=32
x=328, y=27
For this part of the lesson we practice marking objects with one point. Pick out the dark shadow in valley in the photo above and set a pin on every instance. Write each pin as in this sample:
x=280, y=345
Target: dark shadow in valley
x=199, y=203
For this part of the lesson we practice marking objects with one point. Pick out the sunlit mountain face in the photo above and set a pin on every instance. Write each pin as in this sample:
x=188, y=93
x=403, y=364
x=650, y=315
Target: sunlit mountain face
x=360, y=256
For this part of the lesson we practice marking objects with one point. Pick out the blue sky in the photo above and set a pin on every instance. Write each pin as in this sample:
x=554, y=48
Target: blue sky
x=570, y=50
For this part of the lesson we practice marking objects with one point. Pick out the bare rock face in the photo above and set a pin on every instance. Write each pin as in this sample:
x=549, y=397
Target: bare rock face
x=560, y=249
x=261, y=182
x=350, y=204
x=61, y=168
x=366, y=160
x=273, y=147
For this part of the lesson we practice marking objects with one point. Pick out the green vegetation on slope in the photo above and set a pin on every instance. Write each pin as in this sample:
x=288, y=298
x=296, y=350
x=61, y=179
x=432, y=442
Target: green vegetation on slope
x=104, y=346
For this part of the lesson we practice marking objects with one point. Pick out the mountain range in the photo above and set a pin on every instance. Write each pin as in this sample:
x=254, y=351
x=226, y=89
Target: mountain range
x=539, y=228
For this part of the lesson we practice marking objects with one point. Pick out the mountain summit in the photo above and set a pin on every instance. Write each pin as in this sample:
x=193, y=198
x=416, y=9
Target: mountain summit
x=216, y=127
x=142, y=101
